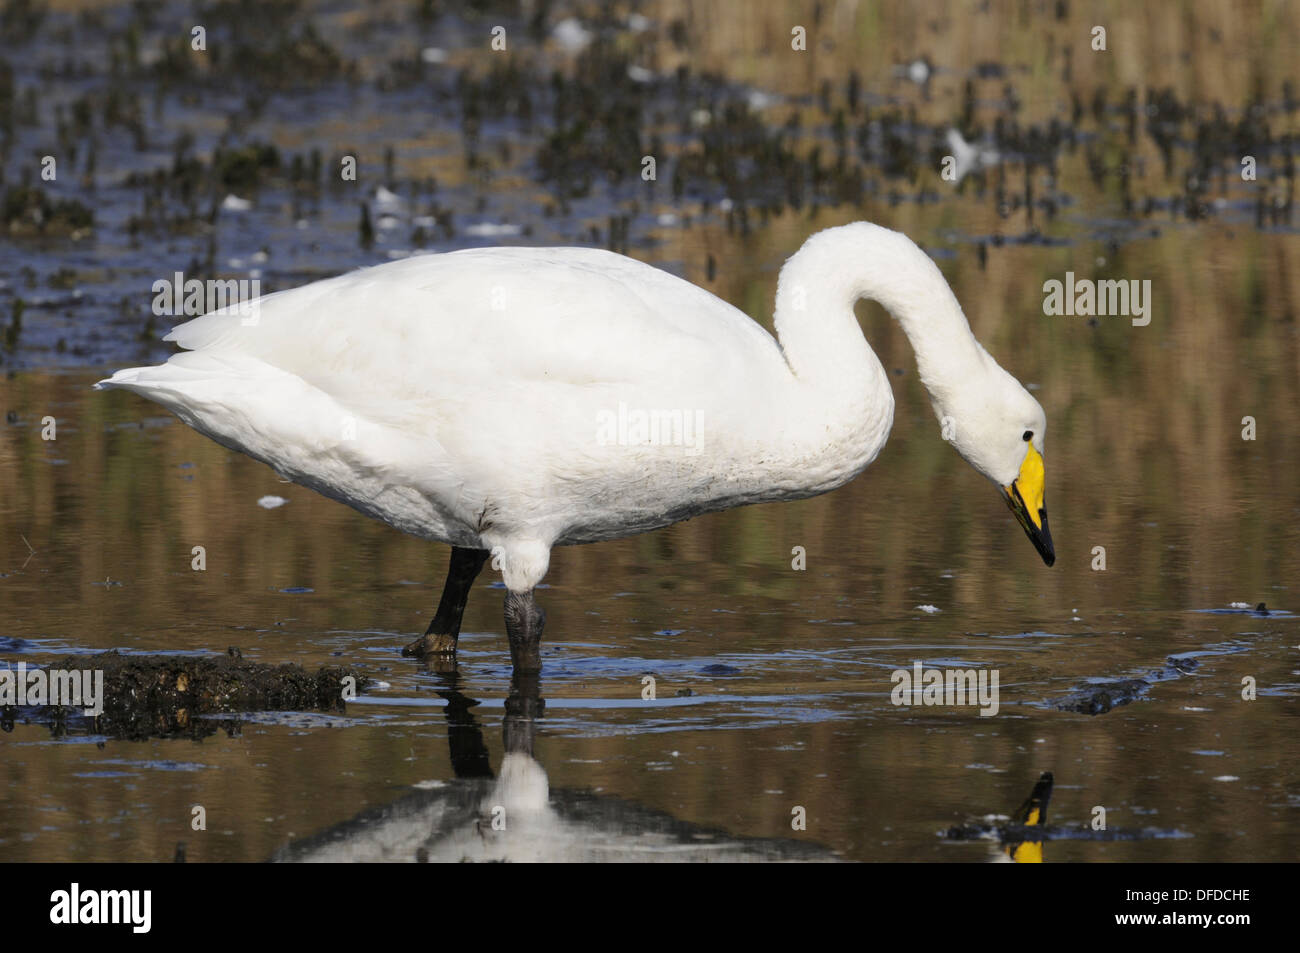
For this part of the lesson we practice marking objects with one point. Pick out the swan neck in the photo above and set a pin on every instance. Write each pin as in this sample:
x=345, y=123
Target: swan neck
x=819, y=331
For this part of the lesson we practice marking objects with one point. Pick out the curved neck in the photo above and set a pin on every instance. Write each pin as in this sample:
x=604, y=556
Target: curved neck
x=819, y=331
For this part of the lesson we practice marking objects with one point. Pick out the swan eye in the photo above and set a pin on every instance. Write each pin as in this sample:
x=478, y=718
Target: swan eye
x=1029, y=435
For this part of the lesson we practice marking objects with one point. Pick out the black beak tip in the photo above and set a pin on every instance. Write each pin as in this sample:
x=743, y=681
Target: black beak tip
x=1040, y=535
x=1044, y=541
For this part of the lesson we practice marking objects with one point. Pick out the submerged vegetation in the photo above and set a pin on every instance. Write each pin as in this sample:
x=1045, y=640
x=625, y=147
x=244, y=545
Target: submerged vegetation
x=617, y=129
x=29, y=211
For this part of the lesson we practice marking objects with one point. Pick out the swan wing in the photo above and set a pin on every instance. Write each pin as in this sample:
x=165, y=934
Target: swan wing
x=443, y=393
x=434, y=326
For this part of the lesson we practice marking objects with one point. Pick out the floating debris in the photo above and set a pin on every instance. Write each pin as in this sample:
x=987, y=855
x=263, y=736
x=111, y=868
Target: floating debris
x=718, y=669
x=165, y=695
x=1104, y=697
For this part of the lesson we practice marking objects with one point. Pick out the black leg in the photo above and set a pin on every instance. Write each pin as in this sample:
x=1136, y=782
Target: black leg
x=440, y=638
x=524, y=622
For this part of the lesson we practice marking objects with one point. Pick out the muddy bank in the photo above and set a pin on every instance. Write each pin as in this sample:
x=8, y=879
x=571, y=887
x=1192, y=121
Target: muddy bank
x=166, y=695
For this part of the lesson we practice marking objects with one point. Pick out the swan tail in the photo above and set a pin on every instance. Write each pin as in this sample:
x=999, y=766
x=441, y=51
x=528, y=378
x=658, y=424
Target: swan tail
x=183, y=378
x=274, y=416
x=224, y=395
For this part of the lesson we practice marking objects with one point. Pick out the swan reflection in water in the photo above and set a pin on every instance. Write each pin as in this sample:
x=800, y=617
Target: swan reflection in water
x=515, y=816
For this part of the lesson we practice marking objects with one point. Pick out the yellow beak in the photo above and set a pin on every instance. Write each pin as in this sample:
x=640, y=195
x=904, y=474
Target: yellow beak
x=1025, y=498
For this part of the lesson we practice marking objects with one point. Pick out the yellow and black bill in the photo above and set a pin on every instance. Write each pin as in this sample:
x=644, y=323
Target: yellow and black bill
x=1025, y=498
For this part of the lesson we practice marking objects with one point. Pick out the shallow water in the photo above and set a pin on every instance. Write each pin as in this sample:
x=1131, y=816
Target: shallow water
x=800, y=715
x=773, y=685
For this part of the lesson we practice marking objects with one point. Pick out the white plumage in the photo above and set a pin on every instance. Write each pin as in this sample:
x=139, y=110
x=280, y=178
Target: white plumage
x=494, y=398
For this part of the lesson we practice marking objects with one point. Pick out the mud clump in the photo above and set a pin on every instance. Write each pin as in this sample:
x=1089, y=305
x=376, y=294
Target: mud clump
x=167, y=695
x=1099, y=699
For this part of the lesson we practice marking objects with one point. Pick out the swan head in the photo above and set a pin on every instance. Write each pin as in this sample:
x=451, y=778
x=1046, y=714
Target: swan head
x=998, y=427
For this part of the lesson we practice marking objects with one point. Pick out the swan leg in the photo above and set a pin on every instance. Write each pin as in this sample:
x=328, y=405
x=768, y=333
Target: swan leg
x=440, y=638
x=524, y=622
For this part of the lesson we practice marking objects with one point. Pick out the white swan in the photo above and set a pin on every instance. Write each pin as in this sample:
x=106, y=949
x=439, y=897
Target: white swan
x=515, y=399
